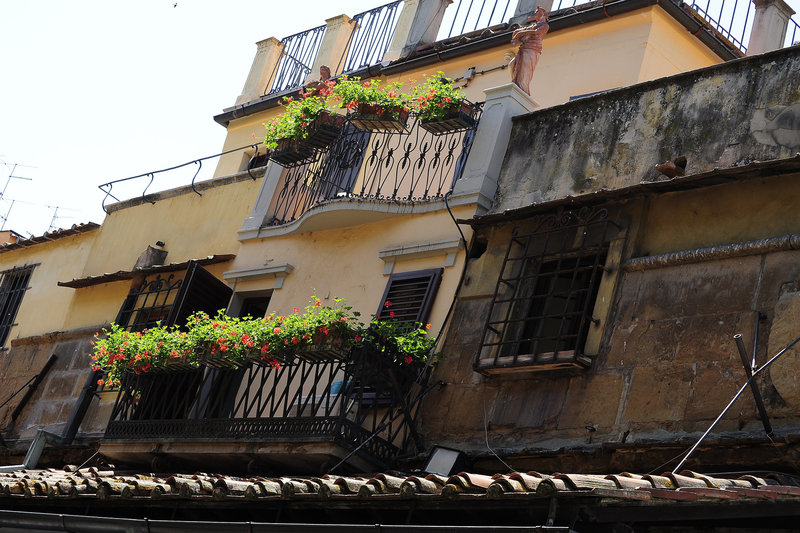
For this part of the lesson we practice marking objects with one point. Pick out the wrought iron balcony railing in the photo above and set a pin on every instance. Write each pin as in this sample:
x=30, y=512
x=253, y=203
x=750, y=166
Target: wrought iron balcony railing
x=465, y=16
x=412, y=165
x=299, y=52
x=731, y=19
x=372, y=36
x=361, y=400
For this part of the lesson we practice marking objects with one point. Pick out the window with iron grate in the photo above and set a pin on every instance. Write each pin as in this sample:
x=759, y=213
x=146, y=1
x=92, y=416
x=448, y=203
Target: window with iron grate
x=169, y=298
x=13, y=285
x=543, y=307
x=411, y=295
x=149, y=302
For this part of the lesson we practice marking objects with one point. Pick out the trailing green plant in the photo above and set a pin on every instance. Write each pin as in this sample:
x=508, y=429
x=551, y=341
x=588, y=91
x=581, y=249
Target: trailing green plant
x=297, y=119
x=348, y=93
x=436, y=98
x=273, y=340
x=405, y=342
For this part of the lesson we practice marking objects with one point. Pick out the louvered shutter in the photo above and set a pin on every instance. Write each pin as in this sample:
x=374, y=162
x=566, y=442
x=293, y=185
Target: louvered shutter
x=411, y=295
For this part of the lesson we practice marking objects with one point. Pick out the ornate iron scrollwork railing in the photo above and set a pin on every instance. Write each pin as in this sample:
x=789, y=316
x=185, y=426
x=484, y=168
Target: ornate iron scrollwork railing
x=405, y=167
x=361, y=400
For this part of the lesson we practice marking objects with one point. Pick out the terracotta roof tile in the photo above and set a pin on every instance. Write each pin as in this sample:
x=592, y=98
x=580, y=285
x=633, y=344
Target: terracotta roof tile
x=108, y=485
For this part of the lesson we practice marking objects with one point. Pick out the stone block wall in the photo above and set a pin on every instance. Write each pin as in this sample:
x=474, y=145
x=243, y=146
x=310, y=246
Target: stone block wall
x=50, y=406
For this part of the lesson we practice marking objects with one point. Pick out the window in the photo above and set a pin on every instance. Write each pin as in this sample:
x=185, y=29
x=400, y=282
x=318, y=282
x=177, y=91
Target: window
x=411, y=295
x=544, y=303
x=169, y=298
x=13, y=285
x=172, y=298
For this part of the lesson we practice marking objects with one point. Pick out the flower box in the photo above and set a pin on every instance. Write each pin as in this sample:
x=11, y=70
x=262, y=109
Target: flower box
x=376, y=118
x=459, y=117
x=326, y=350
x=217, y=360
x=289, y=152
x=179, y=364
x=325, y=129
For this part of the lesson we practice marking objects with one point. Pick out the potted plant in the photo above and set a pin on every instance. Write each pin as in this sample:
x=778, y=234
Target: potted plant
x=441, y=107
x=371, y=106
x=319, y=332
x=306, y=123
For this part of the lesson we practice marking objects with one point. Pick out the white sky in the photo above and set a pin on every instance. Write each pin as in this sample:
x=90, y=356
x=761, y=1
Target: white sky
x=96, y=90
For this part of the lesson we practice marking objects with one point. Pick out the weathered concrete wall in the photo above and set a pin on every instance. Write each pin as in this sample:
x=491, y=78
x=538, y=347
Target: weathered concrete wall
x=667, y=365
x=614, y=140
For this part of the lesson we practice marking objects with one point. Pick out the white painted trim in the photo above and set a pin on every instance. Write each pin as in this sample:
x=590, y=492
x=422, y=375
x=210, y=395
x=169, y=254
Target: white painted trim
x=448, y=248
x=279, y=272
x=346, y=212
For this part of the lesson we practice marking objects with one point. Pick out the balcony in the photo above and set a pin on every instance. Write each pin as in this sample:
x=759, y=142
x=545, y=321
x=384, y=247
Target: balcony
x=323, y=408
x=406, y=167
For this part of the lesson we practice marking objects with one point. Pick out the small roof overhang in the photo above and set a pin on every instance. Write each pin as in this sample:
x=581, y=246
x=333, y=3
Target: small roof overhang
x=121, y=275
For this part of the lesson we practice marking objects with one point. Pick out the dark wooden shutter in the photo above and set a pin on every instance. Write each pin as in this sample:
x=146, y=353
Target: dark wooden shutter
x=200, y=291
x=411, y=295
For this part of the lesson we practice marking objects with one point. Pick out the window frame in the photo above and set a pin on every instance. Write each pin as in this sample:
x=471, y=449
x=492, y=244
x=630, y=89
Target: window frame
x=433, y=278
x=11, y=298
x=577, y=251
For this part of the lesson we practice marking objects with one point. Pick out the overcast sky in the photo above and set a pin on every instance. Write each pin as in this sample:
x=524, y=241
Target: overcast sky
x=93, y=91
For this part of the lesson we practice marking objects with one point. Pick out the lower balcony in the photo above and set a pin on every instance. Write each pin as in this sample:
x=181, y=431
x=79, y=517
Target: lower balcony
x=322, y=411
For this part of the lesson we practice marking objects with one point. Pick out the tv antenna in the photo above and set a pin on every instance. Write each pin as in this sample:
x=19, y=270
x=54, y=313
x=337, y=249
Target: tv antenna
x=3, y=192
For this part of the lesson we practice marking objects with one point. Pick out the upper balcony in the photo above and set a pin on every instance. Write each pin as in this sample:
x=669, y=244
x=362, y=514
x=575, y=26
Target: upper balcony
x=412, y=165
x=398, y=31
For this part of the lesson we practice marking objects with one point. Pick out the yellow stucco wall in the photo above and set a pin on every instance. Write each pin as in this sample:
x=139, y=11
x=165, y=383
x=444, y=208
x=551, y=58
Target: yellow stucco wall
x=44, y=307
x=713, y=216
x=192, y=226
x=344, y=262
x=671, y=49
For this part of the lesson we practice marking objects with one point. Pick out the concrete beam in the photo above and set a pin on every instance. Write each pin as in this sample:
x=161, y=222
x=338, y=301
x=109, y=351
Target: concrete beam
x=769, y=26
x=262, y=71
x=418, y=24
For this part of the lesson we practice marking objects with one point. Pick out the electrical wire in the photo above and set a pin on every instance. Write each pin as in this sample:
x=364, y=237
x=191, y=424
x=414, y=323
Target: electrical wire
x=486, y=433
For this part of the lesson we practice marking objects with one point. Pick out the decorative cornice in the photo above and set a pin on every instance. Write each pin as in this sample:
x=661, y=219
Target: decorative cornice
x=279, y=272
x=713, y=253
x=448, y=248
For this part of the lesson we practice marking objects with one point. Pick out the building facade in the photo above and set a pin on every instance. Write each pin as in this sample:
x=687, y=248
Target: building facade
x=585, y=255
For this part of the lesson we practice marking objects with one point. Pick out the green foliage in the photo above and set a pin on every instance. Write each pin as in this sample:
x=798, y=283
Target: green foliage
x=433, y=100
x=296, y=120
x=273, y=340
x=350, y=92
x=436, y=98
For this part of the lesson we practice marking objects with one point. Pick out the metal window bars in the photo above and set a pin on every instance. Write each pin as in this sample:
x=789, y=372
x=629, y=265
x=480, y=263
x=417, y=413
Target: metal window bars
x=374, y=30
x=298, y=55
x=543, y=302
x=149, y=303
x=361, y=400
x=465, y=16
x=409, y=166
x=13, y=285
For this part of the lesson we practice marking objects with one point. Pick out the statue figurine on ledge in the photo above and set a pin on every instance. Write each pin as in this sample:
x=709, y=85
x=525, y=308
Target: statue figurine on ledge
x=529, y=39
x=324, y=75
